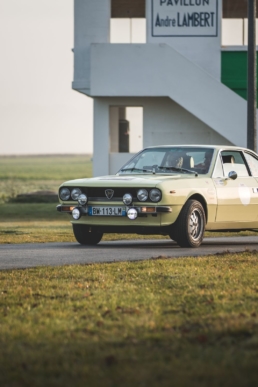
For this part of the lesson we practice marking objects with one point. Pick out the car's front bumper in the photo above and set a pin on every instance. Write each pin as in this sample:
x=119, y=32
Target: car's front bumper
x=142, y=210
x=147, y=216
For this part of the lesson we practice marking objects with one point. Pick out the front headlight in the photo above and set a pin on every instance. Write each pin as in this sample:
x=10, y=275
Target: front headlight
x=155, y=195
x=76, y=193
x=64, y=194
x=142, y=195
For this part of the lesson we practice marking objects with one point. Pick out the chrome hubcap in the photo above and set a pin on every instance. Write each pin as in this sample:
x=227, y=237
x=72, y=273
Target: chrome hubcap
x=195, y=224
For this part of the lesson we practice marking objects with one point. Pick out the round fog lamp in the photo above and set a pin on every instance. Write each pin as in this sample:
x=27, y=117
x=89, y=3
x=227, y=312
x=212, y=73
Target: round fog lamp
x=127, y=199
x=142, y=195
x=76, y=213
x=64, y=194
x=82, y=199
x=75, y=193
x=132, y=213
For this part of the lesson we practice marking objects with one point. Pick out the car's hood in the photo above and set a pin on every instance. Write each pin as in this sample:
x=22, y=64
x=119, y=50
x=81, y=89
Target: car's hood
x=148, y=180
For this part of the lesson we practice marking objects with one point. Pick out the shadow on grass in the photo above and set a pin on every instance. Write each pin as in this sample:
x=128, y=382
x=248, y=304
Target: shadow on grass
x=180, y=356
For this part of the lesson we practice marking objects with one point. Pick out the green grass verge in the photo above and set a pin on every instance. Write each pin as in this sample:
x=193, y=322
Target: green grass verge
x=49, y=167
x=180, y=322
x=23, y=174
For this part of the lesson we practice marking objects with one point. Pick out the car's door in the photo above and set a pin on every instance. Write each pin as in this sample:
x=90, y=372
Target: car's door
x=237, y=199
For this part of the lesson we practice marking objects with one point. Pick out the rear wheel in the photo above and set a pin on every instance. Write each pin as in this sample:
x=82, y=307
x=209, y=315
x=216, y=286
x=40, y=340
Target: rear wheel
x=84, y=236
x=190, y=225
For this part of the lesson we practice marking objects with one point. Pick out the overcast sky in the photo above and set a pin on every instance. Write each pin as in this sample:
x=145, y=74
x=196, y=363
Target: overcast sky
x=39, y=112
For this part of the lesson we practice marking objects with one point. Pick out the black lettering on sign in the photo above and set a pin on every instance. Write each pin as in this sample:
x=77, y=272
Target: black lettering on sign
x=157, y=23
x=165, y=22
x=195, y=19
x=186, y=3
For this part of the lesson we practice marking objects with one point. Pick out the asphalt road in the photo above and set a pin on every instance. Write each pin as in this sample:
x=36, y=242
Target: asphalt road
x=54, y=254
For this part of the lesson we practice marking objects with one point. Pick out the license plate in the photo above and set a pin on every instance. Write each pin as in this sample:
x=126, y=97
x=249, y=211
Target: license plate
x=107, y=211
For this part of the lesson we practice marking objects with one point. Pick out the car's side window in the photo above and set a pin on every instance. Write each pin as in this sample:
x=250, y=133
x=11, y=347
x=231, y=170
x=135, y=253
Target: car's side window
x=253, y=163
x=234, y=161
x=218, y=170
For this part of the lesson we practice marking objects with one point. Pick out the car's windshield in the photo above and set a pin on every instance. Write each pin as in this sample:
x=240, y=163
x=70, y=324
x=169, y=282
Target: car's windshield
x=166, y=160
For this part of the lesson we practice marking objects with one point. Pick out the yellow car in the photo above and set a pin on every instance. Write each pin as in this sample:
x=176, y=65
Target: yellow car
x=179, y=191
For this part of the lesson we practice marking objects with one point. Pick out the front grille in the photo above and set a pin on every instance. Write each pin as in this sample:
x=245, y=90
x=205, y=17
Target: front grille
x=98, y=194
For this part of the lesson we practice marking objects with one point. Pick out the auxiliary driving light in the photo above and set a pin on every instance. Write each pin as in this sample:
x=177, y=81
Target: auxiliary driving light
x=82, y=199
x=132, y=213
x=76, y=214
x=127, y=199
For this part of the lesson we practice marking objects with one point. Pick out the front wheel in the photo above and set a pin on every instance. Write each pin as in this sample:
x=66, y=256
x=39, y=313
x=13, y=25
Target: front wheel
x=190, y=224
x=84, y=236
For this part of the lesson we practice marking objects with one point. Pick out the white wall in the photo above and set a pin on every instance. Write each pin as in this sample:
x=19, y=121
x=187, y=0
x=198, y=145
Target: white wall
x=127, y=30
x=91, y=25
x=113, y=129
x=164, y=122
x=135, y=117
x=232, y=32
x=235, y=32
x=101, y=137
x=159, y=70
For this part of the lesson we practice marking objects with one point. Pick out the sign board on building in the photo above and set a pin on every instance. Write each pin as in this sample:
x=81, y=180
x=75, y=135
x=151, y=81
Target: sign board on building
x=185, y=18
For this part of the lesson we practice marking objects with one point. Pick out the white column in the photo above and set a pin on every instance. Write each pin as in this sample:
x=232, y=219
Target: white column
x=101, y=138
x=91, y=25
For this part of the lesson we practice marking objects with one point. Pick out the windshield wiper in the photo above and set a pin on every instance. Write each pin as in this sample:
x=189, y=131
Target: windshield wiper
x=176, y=169
x=136, y=169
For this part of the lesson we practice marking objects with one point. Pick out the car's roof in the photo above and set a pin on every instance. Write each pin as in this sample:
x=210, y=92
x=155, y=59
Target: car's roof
x=217, y=147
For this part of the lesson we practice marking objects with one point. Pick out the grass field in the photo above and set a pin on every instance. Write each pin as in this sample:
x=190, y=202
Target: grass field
x=23, y=174
x=181, y=322
x=36, y=222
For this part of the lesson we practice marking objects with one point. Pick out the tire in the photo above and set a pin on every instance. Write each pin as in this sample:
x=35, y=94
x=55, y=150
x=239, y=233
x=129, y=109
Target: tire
x=190, y=225
x=172, y=234
x=86, y=237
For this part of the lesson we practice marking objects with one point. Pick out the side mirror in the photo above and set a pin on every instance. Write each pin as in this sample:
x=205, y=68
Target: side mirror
x=232, y=175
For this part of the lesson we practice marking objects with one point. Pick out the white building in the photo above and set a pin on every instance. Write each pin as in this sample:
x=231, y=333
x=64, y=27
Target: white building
x=153, y=68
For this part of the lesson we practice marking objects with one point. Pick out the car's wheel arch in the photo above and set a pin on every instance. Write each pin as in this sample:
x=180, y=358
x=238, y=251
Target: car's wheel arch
x=199, y=198
x=188, y=230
